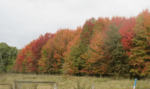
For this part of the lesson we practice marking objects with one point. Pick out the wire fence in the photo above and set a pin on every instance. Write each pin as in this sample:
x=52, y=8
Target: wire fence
x=18, y=84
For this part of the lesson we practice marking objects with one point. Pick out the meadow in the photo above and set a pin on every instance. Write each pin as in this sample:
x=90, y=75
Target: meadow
x=72, y=82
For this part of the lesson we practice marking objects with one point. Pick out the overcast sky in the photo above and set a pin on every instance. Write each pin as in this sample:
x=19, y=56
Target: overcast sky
x=21, y=21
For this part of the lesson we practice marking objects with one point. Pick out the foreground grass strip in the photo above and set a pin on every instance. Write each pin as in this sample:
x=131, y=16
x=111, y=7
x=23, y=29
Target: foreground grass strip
x=71, y=82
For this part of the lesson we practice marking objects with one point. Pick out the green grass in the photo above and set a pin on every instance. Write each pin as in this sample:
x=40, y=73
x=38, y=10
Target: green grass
x=73, y=82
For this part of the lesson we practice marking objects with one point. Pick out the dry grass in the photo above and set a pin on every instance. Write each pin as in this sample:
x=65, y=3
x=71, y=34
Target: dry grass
x=71, y=82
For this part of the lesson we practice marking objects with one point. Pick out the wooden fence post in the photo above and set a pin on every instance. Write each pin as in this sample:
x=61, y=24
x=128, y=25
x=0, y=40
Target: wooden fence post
x=15, y=85
x=19, y=85
x=55, y=86
x=93, y=86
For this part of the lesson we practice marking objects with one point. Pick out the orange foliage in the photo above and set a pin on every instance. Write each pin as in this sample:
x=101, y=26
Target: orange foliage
x=94, y=57
x=52, y=52
x=74, y=42
x=24, y=58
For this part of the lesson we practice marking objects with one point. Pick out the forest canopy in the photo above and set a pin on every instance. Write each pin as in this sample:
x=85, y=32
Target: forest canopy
x=101, y=46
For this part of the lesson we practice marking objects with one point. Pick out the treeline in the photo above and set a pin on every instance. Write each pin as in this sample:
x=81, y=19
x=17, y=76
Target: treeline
x=101, y=46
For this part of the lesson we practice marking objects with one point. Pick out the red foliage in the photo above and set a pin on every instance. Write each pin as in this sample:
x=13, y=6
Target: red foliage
x=27, y=59
x=36, y=49
x=127, y=33
x=23, y=59
x=52, y=53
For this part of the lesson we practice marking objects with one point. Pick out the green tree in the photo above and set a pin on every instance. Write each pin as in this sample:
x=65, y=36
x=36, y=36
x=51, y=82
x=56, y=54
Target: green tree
x=7, y=56
x=77, y=52
x=115, y=55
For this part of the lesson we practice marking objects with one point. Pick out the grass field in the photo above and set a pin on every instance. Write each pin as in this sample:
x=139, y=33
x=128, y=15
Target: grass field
x=72, y=82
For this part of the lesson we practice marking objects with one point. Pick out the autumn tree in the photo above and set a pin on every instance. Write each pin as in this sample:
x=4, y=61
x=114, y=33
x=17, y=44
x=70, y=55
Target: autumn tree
x=36, y=50
x=95, y=62
x=27, y=59
x=101, y=24
x=23, y=60
x=140, y=59
x=46, y=61
x=87, y=31
x=81, y=47
x=56, y=49
x=127, y=34
x=114, y=52
x=118, y=21
x=70, y=58
x=94, y=54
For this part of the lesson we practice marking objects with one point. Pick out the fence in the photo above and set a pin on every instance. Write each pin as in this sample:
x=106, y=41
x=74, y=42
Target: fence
x=17, y=84
x=7, y=85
